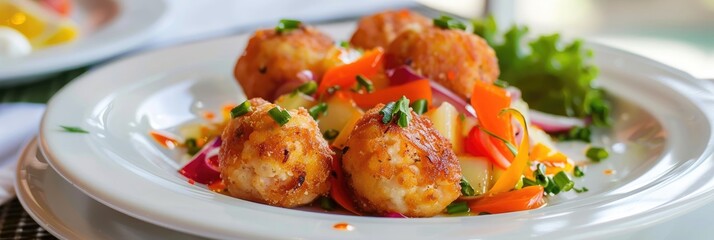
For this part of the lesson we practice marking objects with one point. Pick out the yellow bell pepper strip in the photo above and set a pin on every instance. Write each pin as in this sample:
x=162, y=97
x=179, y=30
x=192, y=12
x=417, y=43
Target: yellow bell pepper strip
x=420, y=89
x=523, y=199
x=345, y=76
x=488, y=100
x=513, y=173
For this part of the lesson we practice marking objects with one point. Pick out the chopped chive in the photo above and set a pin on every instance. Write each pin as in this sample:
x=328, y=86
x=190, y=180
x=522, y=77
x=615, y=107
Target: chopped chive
x=316, y=110
x=577, y=172
x=308, y=88
x=419, y=106
x=363, y=82
x=500, y=83
x=527, y=182
x=404, y=112
x=241, y=109
x=331, y=134
x=281, y=116
x=466, y=188
x=577, y=134
x=596, y=154
x=563, y=181
x=581, y=190
x=539, y=174
x=286, y=25
x=387, y=111
x=73, y=129
x=344, y=44
x=327, y=203
x=191, y=146
x=457, y=207
x=446, y=22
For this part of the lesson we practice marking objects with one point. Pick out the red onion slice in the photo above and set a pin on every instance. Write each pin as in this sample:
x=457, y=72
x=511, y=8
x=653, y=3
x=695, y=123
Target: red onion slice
x=554, y=123
x=404, y=74
x=203, y=167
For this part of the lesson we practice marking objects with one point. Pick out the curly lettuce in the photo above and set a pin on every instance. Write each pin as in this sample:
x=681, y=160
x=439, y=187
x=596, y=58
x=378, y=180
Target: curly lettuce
x=554, y=76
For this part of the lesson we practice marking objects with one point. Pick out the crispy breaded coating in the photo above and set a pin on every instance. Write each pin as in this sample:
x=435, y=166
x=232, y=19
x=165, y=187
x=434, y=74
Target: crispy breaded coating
x=380, y=29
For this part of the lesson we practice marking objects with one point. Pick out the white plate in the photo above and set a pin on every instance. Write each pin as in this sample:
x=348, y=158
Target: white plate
x=661, y=147
x=108, y=28
x=65, y=212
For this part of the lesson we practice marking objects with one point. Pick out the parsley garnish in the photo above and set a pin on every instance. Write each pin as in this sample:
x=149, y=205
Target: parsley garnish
x=446, y=22
x=286, y=25
x=399, y=108
x=73, y=129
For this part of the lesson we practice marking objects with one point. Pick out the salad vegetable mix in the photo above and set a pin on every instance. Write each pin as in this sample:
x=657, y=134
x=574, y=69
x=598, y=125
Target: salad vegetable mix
x=411, y=118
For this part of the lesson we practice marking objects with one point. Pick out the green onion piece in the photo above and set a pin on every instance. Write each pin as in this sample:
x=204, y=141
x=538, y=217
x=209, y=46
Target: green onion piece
x=326, y=203
x=344, y=44
x=446, y=22
x=363, y=82
x=527, y=182
x=466, y=188
x=552, y=188
x=596, y=154
x=577, y=172
x=286, y=25
x=331, y=134
x=577, y=134
x=582, y=190
x=281, y=117
x=419, y=106
x=317, y=109
x=191, y=146
x=563, y=181
x=457, y=207
x=404, y=112
x=540, y=176
x=308, y=88
x=73, y=129
x=387, y=112
x=241, y=109
x=500, y=83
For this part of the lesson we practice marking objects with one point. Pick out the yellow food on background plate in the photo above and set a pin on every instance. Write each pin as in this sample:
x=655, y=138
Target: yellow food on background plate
x=41, y=26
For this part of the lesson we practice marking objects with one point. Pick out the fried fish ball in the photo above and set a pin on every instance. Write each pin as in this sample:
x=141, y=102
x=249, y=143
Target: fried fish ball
x=380, y=29
x=264, y=162
x=275, y=63
x=453, y=58
x=411, y=170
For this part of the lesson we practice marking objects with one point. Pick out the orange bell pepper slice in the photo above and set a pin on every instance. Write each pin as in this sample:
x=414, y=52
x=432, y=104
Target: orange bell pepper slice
x=488, y=100
x=345, y=76
x=513, y=173
x=338, y=190
x=523, y=199
x=420, y=89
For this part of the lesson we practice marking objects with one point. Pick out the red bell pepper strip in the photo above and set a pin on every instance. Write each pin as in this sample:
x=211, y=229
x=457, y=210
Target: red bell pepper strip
x=345, y=76
x=420, y=89
x=488, y=100
x=523, y=199
x=339, y=191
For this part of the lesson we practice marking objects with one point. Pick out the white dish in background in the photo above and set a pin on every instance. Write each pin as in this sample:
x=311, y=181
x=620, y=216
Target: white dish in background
x=661, y=149
x=107, y=28
x=65, y=212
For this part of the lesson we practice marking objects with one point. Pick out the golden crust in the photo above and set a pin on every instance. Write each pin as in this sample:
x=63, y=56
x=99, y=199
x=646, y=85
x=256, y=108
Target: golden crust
x=263, y=162
x=380, y=29
x=412, y=170
x=453, y=58
x=273, y=63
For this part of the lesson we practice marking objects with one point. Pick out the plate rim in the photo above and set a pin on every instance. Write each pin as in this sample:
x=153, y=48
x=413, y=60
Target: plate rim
x=699, y=199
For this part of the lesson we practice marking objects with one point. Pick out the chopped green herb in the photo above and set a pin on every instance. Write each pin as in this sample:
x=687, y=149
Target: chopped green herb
x=596, y=154
x=316, y=110
x=241, y=109
x=344, y=44
x=528, y=182
x=565, y=67
x=363, y=82
x=281, y=116
x=446, y=22
x=73, y=129
x=419, y=106
x=457, y=207
x=577, y=133
x=404, y=112
x=466, y=188
x=500, y=83
x=508, y=144
x=462, y=117
x=577, y=172
x=387, y=112
x=307, y=88
x=287, y=24
x=563, y=181
x=327, y=203
x=540, y=177
x=331, y=134
x=191, y=146
x=581, y=190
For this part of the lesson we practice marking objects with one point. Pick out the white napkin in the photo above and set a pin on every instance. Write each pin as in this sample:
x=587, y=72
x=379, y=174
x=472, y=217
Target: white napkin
x=20, y=122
